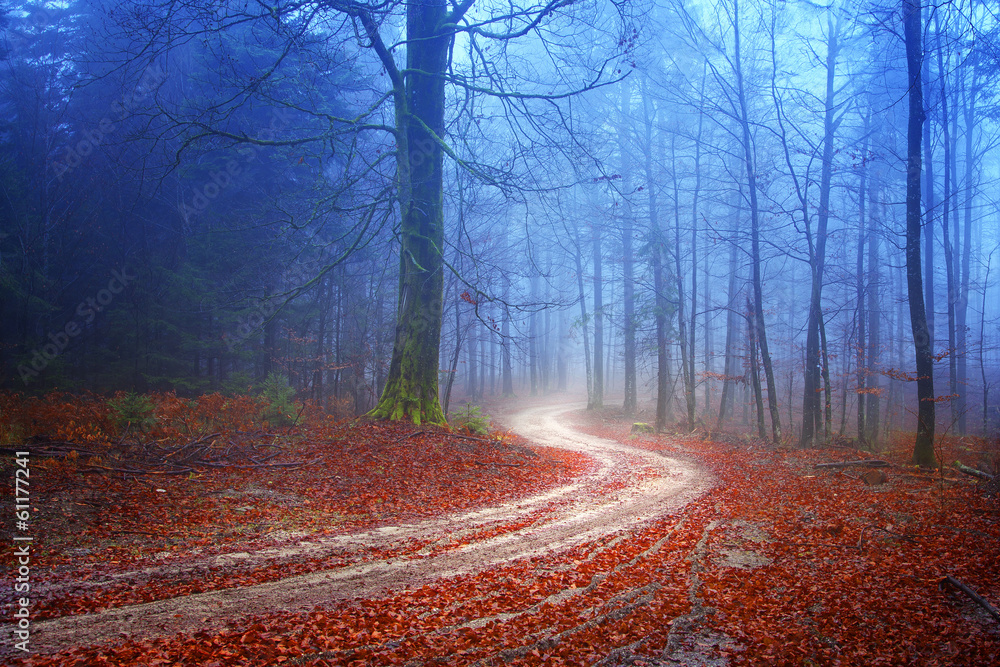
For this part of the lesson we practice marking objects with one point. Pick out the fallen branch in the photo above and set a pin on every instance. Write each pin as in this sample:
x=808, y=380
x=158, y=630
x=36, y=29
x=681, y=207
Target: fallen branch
x=288, y=464
x=974, y=596
x=864, y=463
x=48, y=448
x=134, y=471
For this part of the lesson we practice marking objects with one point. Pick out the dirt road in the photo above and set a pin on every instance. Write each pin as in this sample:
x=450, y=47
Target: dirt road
x=625, y=487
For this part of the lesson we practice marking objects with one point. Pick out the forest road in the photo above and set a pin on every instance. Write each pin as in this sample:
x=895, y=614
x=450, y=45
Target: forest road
x=624, y=487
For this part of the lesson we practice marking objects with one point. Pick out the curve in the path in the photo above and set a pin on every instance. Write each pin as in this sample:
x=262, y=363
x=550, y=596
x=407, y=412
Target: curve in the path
x=625, y=487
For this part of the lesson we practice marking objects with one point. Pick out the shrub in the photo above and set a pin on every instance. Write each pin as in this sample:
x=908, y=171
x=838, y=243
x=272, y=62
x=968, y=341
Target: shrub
x=132, y=412
x=470, y=419
x=277, y=396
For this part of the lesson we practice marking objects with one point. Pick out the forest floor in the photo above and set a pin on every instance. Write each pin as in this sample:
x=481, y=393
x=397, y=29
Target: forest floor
x=373, y=544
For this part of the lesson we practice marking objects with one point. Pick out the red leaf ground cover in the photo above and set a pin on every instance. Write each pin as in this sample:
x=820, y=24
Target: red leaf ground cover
x=780, y=563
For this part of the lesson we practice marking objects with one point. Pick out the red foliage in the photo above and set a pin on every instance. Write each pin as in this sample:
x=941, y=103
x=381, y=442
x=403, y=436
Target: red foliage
x=787, y=564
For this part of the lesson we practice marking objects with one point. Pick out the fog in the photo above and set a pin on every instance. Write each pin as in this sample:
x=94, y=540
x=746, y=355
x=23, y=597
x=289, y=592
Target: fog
x=691, y=210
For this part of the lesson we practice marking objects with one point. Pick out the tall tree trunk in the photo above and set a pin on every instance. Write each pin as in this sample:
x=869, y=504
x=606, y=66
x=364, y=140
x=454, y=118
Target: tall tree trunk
x=493, y=362
x=533, y=341
x=507, y=370
x=584, y=318
x=506, y=364
x=682, y=333
x=597, y=400
x=983, y=374
x=760, y=334
x=930, y=208
x=411, y=389
x=970, y=90
x=562, y=367
x=755, y=370
x=545, y=350
x=708, y=340
x=726, y=402
x=472, y=372
x=815, y=365
x=949, y=200
x=873, y=396
x=481, y=394
x=923, y=448
x=656, y=250
x=860, y=313
x=694, y=253
x=453, y=369
x=827, y=385
x=628, y=260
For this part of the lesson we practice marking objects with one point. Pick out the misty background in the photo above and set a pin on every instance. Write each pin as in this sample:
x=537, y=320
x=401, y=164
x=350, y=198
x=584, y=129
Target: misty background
x=639, y=197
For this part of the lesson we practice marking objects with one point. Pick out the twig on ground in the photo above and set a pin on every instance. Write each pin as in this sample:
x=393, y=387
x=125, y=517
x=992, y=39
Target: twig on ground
x=467, y=437
x=864, y=463
x=974, y=596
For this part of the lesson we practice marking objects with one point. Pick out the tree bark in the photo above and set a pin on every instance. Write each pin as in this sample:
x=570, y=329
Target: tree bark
x=816, y=365
x=453, y=369
x=757, y=321
x=628, y=259
x=923, y=448
x=655, y=235
x=584, y=318
x=873, y=397
x=411, y=390
x=694, y=254
x=732, y=317
x=506, y=371
x=971, y=90
x=860, y=312
x=597, y=399
x=930, y=209
x=946, y=219
x=533, y=339
x=682, y=332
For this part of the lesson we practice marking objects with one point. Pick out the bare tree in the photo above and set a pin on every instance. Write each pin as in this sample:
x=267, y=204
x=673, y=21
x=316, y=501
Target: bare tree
x=923, y=448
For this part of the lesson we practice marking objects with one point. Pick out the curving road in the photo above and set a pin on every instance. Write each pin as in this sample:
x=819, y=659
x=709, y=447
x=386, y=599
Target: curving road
x=625, y=487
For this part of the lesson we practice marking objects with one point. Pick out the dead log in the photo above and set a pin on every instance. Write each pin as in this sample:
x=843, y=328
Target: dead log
x=864, y=463
x=975, y=472
x=974, y=596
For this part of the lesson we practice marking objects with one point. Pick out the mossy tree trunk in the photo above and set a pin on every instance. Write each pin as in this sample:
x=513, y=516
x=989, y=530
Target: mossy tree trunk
x=411, y=389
